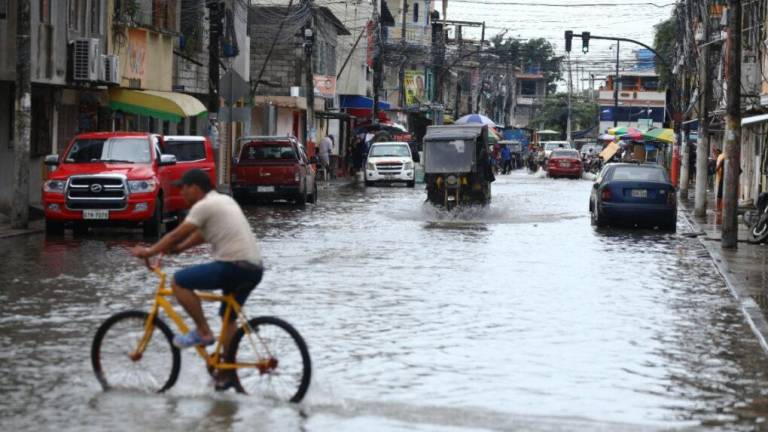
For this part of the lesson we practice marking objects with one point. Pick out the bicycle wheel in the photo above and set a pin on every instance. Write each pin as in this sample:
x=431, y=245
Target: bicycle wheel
x=282, y=368
x=116, y=365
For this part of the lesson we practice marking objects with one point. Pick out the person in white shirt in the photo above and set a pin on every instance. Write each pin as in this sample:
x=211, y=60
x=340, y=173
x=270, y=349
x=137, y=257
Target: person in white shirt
x=236, y=267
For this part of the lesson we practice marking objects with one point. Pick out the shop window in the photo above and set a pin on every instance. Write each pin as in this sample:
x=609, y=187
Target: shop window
x=415, y=12
x=45, y=11
x=528, y=88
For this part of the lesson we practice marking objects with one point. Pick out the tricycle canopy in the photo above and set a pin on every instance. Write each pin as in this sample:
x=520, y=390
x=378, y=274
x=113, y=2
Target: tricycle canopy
x=453, y=149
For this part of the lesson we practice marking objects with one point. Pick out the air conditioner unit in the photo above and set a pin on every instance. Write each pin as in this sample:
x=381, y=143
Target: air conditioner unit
x=110, y=64
x=84, y=56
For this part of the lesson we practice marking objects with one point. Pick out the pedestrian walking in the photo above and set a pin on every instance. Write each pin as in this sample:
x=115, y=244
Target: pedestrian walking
x=506, y=159
x=324, y=154
x=719, y=171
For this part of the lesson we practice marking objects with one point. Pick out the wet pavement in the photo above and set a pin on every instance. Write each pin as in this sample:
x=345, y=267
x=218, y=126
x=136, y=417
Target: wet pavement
x=516, y=317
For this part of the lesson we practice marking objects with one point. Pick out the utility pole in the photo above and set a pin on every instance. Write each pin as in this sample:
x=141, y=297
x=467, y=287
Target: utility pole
x=733, y=127
x=376, y=62
x=309, y=83
x=568, y=133
x=216, y=28
x=401, y=73
x=20, y=202
x=616, y=89
x=684, y=150
x=702, y=147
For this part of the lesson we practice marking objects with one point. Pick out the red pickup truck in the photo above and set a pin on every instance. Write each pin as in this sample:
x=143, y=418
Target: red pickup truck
x=121, y=178
x=270, y=167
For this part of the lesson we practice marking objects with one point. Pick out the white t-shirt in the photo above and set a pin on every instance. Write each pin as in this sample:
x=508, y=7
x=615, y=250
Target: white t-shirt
x=223, y=225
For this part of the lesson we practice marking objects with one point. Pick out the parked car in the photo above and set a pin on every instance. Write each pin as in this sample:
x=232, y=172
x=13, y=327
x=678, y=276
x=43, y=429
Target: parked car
x=390, y=162
x=272, y=168
x=116, y=178
x=634, y=194
x=549, y=146
x=191, y=152
x=564, y=163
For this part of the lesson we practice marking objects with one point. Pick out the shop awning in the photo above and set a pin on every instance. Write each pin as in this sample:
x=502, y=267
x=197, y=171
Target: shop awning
x=157, y=104
x=360, y=102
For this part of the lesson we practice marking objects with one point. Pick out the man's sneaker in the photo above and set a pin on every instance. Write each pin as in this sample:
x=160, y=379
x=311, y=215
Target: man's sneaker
x=191, y=339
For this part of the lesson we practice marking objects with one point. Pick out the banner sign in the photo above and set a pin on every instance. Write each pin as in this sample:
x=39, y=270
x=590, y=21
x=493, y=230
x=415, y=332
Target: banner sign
x=415, y=88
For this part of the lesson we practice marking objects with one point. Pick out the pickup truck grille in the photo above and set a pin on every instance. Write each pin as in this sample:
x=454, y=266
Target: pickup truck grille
x=389, y=167
x=97, y=192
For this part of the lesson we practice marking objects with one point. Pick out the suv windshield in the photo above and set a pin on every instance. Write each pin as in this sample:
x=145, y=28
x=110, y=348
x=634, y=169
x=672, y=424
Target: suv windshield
x=390, y=150
x=123, y=150
x=256, y=151
x=639, y=173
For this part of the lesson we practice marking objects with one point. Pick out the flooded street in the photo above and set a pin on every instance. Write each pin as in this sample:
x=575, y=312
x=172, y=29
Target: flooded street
x=517, y=317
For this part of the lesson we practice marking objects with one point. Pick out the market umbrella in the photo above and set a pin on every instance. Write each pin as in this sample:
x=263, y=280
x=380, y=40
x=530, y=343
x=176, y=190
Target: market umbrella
x=548, y=132
x=660, y=134
x=493, y=136
x=475, y=118
x=625, y=132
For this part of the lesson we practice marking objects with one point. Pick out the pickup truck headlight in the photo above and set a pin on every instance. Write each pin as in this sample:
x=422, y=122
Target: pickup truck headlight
x=371, y=166
x=408, y=165
x=142, y=186
x=54, y=186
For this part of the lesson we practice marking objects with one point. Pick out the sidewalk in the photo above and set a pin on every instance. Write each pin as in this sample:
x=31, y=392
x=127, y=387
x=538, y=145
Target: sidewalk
x=744, y=269
x=35, y=226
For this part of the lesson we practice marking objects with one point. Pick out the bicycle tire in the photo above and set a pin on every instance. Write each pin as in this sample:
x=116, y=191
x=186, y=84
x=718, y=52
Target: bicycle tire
x=248, y=383
x=103, y=335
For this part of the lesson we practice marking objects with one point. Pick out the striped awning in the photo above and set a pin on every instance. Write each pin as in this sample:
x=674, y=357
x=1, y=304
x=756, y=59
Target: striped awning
x=157, y=104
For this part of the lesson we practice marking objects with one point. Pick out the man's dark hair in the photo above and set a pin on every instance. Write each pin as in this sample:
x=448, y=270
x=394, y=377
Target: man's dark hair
x=197, y=178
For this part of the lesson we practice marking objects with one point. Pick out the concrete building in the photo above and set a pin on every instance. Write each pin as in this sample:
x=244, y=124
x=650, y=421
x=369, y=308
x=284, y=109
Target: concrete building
x=279, y=102
x=530, y=92
x=641, y=104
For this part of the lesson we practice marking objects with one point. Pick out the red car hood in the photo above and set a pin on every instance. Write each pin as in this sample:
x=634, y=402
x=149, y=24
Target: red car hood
x=131, y=171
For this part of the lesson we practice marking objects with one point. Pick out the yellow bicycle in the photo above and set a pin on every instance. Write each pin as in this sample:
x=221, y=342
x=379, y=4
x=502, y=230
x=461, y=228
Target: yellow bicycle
x=134, y=349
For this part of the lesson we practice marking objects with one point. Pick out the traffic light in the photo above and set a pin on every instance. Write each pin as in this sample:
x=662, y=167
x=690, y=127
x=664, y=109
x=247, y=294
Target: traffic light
x=568, y=40
x=585, y=42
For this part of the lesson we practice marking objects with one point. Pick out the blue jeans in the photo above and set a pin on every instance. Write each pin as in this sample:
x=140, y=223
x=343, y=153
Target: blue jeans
x=235, y=277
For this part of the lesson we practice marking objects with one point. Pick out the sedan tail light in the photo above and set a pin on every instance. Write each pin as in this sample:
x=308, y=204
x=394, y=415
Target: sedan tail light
x=296, y=174
x=605, y=195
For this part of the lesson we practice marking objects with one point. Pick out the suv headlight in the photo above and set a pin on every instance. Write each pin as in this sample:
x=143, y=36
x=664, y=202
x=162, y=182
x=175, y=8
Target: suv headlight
x=408, y=165
x=54, y=186
x=142, y=186
x=371, y=166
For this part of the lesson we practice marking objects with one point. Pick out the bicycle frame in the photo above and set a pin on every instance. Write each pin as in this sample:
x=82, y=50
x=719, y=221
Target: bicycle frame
x=212, y=360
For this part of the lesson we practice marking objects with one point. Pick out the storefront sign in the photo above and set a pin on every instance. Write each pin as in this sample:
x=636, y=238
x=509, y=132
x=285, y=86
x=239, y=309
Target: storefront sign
x=137, y=54
x=415, y=87
x=325, y=85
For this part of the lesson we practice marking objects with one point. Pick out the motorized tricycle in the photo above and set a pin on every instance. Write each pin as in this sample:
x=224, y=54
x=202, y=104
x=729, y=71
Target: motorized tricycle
x=457, y=165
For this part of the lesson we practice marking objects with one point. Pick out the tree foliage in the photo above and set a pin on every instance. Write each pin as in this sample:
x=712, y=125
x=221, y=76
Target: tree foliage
x=554, y=114
x=664, y=44
x=533, y=54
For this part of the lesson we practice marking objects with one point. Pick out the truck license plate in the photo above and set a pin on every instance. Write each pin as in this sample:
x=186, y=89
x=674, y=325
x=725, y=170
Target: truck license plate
x=639, y=193
x=96, y=214
x=265, y=188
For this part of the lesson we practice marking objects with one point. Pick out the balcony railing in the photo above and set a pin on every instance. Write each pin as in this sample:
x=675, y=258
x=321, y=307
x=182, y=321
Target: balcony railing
x=416, y=35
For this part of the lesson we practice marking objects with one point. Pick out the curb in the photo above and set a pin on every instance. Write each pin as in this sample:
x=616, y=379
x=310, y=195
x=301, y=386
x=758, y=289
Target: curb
x=752, y=313
x=18, y=233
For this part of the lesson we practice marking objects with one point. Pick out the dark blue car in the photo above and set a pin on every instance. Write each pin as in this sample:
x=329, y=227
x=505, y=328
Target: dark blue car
x=633, y=194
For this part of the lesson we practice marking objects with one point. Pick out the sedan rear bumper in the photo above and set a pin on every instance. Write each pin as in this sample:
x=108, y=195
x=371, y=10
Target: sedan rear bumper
x=638, y=213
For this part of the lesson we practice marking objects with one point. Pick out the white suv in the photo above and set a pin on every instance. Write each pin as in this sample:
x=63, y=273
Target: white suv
x=390, y=162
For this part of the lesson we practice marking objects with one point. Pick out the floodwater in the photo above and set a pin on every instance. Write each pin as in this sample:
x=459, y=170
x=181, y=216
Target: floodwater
x=520, y=316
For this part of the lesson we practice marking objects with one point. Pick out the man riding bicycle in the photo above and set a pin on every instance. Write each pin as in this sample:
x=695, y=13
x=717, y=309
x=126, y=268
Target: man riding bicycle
x=236, y=267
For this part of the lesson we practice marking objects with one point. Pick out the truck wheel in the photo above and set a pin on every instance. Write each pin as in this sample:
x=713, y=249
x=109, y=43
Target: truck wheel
x=368, y=183
x=54, y=227
x=152, y=227
x=79, y=228
x=411, y=184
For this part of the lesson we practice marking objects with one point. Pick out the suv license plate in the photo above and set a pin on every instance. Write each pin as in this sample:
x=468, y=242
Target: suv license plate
x=639, y=193
x=265, y=188
x=96, y=214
